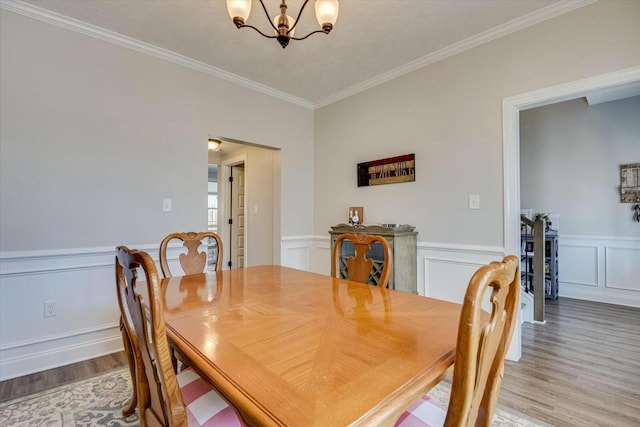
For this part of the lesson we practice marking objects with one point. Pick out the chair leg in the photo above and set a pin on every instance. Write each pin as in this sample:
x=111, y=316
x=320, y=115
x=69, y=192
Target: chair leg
x=130, y=408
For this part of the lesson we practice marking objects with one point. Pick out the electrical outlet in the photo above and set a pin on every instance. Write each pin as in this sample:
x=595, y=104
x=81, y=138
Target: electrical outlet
x=50, y=308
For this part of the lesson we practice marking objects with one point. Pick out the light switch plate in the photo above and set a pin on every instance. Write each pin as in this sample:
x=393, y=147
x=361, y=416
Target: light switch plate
x=474, y=201
x=167, y=205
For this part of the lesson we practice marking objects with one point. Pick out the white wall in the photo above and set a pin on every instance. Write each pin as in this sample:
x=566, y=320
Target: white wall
x=570, y=157
x=82, y=117
x=93, y=135
x=449, y=115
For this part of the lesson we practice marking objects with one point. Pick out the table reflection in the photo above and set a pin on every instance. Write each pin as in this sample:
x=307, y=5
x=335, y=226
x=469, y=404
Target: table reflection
x=184, y=292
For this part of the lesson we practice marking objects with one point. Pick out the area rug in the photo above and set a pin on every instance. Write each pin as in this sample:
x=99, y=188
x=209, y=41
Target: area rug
x=98, y=401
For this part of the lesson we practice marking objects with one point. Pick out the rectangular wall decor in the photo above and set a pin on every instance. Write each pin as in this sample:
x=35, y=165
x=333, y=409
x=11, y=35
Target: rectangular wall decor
x=630, y=183
x=387, y=171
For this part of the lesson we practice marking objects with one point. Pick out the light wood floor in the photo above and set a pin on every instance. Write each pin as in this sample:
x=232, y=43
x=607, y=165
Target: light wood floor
x=580, y=369
x=29, y=384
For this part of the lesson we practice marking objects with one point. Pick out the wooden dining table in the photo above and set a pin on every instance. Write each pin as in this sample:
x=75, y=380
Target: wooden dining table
x=287, y=347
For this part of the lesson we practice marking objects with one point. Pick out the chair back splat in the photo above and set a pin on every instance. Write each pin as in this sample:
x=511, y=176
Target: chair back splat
x=482, y=344
x=193, y=262
x=358, y=267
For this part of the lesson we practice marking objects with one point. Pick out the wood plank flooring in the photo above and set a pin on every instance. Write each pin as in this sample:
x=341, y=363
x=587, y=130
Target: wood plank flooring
x=580, y=369
x=33, y=383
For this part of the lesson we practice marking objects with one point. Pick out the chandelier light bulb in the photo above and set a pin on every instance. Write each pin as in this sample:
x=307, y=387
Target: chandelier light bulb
x=239, y=10
x=327, y=12
x=284, y=25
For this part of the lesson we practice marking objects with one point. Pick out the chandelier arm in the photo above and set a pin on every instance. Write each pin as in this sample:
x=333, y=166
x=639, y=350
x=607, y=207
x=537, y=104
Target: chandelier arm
x=261, y=33
x=298, y=19
x=266, y=12
x=311, y=33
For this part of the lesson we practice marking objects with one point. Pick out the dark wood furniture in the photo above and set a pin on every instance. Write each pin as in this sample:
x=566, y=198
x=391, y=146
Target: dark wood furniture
x=353, y=264
x=289, y=347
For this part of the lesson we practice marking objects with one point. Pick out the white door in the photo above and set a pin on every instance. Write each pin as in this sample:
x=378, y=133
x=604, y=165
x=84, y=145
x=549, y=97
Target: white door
x=237, y=218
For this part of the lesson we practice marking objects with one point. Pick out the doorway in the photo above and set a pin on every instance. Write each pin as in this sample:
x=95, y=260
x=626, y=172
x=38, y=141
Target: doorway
x=248, y=206
x=511, y=108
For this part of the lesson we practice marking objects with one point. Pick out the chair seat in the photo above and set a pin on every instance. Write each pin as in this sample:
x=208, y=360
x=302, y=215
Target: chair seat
x=204, y=406
x=426, y=412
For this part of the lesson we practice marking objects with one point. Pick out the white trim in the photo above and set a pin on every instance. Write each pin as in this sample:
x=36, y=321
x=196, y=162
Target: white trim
x=60, y=355
x=68, y=23
x=477, y=249
x=302, y=238
x=518, y=24
x=64, y=253
x=21, y=263
x=55, y=337
x=511, y=108
x=598, y=238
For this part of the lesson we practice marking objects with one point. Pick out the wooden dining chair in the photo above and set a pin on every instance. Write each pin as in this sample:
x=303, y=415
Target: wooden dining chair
x=358, y=267
x=163, y=398
x=481, y=348
x=193, y=261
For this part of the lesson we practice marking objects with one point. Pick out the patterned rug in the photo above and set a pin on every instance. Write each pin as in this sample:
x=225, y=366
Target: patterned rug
x=98, y=401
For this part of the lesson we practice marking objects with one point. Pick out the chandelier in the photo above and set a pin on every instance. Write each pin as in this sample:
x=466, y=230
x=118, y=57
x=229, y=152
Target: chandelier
x=283, y=24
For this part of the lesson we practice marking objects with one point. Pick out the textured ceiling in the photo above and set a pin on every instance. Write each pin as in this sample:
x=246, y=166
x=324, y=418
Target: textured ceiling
x=371, y=38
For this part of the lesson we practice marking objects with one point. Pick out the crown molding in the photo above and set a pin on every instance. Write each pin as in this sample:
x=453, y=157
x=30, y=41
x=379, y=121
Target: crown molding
x=54, y=18
x=518, y=24
x=32, y=11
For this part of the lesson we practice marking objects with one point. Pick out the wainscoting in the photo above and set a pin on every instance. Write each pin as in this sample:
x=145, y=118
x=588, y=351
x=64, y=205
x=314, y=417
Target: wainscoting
x=602, y=269
x=443, y=270
x=594, y=268
x=81, y=281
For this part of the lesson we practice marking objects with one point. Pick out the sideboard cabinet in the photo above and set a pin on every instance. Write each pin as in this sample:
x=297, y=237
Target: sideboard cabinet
x=403, y=243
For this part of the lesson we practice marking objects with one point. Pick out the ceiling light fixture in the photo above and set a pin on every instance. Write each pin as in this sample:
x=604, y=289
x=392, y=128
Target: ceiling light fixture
x=214, y=144
x=283, y=24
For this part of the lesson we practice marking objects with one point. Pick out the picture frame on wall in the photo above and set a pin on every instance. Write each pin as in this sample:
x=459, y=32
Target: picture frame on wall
x=387, y=171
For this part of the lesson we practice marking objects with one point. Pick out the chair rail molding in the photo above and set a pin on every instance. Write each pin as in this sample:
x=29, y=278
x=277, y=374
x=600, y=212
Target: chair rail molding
x=81, y=281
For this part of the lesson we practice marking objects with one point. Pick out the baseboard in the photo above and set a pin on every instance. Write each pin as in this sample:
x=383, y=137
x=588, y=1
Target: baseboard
x=40, y=356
